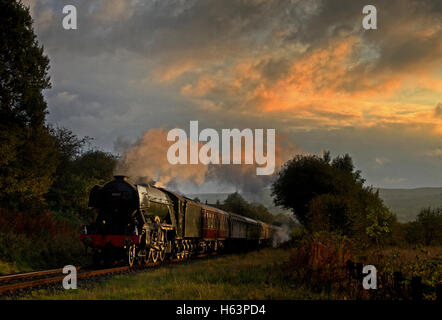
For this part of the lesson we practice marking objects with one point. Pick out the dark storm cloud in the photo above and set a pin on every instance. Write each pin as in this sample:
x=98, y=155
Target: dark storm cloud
x=273, y=69
x=123, y=71
x=156, y=27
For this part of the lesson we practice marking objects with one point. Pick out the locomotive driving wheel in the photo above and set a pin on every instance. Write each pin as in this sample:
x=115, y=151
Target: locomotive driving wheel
x=155, y=255
x=162, y=254
x=131, y=255
x=144, y=257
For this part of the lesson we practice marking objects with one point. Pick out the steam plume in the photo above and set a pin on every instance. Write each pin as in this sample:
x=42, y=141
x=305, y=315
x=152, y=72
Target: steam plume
x=146, y=161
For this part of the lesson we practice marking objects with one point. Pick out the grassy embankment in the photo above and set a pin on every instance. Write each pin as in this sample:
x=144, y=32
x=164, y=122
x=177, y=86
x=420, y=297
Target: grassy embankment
x=256, y=275
x=265, y=274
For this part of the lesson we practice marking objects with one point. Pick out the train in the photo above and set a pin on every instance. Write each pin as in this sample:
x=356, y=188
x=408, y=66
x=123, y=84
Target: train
x=142, y=223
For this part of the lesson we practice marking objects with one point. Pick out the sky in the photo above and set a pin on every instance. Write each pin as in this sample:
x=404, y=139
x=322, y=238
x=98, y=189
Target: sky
x=305, y=68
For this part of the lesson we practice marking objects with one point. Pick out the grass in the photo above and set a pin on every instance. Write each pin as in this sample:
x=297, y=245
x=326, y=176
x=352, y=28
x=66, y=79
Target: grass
x=9, y=268
x=255, y=275
x=266, y=274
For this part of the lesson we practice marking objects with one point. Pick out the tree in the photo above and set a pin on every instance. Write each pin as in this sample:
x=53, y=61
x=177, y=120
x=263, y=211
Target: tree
x=27, y=161
x=306, y=176
x=237, y=204
x=329, y=195
x=427, y=228
x=77, y=172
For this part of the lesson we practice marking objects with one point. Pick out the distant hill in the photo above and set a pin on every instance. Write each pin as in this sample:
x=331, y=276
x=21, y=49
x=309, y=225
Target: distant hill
x=405, y=203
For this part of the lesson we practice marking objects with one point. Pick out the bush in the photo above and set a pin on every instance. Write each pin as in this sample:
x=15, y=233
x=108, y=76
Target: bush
x=427, y=228
x=321, y=251
x=329, y=195
x=39, y=240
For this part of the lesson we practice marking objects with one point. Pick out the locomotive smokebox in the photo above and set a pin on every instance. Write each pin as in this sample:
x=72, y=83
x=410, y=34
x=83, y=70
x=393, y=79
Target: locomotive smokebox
x=117, y=201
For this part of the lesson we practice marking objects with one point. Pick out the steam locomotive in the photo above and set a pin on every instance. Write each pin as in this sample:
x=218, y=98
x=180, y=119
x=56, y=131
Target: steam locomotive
x=143, y=223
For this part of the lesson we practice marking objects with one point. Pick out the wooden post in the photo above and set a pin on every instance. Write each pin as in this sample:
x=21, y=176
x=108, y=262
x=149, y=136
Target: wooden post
x=397, y=285
x=416, y=288
x=359, y=270
x=439, y=292
x=350, y=269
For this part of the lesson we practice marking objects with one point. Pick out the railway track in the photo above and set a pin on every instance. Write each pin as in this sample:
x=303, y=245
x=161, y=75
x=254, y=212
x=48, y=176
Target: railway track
x=29, y=280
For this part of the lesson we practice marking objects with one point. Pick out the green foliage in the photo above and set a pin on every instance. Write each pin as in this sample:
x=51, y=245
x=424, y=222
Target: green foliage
x=237, y=204
x=379, y=222
x=307, y=176
x=418, y=262
x=36, y=241
x=77, y=173
x=427, y=228
x=328, y=212
x=329, y=195
x=39, y=166
x=27, y=160
x=23, y=67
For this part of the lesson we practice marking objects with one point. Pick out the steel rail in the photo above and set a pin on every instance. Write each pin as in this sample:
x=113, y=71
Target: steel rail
x=18, y=276
x=85, y=274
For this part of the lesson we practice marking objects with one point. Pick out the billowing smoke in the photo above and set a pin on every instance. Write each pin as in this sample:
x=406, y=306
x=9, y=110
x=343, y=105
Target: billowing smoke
x=281, y=235
x=283, y=232
x=146, y=161
x=244, y=178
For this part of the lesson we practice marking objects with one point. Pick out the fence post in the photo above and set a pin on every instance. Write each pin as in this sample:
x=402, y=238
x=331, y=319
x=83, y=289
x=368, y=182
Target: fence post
x=359, y=270
x=397, y=282
x=350, y=269
x=439, y=292
x=416, y=288
x=308, y=275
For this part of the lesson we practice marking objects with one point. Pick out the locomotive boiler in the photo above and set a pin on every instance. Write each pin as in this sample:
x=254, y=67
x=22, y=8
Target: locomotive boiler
x=143, y=223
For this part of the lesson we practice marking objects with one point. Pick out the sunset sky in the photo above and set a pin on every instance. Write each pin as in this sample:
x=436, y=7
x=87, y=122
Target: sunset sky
x=306, y=68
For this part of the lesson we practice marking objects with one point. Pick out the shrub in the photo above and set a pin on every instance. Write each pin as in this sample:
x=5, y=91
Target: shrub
x=39, y=240
x=427, y=228
x=319, y=260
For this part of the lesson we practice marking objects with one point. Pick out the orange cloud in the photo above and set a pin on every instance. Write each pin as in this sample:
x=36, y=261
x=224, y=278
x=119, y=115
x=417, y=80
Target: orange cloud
x=326, y=86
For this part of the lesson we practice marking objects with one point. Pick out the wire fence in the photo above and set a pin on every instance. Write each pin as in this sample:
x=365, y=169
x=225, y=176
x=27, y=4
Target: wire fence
x=396, y=284
x=348, y=279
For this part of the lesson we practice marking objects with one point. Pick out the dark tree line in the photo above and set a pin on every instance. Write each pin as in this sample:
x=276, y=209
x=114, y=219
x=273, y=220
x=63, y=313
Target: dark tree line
x=426, y=229
x=40, y=167
x=27, y=160
x=329, y=195
x=237, y=204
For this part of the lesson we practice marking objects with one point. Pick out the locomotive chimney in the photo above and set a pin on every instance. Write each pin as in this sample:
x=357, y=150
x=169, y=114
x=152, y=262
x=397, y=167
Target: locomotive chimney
x=124, y=178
